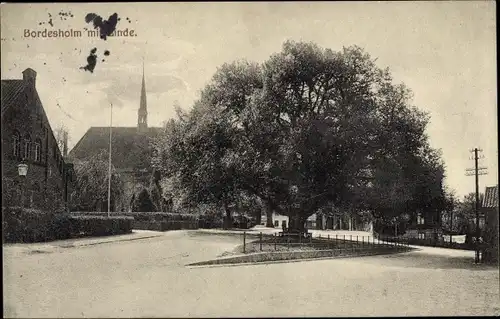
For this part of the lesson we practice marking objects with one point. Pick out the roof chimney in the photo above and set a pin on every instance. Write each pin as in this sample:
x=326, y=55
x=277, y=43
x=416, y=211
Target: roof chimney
x=29, y=75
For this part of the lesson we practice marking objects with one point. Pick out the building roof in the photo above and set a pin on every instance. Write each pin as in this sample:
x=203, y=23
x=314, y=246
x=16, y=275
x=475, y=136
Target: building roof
x=491, y=197
x=12, y=96
x=130, y=147
x=11, y=91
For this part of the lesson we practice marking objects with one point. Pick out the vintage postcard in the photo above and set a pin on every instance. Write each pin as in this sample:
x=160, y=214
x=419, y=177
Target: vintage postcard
x=249, y=159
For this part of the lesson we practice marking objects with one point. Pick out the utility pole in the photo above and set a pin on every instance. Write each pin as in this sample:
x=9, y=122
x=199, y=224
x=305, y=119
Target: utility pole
x=109, y=164
x=476, y=171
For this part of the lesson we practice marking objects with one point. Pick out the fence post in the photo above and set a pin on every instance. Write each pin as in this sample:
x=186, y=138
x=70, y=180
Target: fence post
x=363, y=241
x=336, y=241
x=345, y=243
x=275, y=240
x=329, y=246
x=244, y=241
x=260, y=241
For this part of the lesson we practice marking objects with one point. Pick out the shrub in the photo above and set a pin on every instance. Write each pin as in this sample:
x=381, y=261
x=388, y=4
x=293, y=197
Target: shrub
x=102, y=225
x=158, y=221
x=23, y=225
x=27, y=225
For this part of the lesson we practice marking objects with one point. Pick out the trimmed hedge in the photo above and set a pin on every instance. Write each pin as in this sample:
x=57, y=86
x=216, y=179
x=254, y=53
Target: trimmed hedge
x=26, y=225
x=23, y=225
x=101, y=225
x=165, y=225
x=158, y=221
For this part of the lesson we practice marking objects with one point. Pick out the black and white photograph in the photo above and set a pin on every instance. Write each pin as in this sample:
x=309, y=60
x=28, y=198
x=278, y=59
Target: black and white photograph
x=249, y=159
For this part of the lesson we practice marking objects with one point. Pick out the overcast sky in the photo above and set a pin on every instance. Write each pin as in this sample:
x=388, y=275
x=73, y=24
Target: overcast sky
x=444, y=51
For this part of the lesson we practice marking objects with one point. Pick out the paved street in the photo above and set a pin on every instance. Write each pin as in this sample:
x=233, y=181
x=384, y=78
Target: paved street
x=148, y=278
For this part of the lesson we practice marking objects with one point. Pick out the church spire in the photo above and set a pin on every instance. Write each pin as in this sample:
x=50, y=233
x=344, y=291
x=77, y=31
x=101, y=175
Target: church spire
x=142, y=121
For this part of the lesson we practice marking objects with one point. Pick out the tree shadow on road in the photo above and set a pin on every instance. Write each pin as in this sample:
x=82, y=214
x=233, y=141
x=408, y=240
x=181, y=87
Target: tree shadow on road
x=425, y=260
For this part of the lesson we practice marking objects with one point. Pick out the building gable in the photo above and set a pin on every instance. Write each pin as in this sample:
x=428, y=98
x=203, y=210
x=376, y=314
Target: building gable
x=131, y=149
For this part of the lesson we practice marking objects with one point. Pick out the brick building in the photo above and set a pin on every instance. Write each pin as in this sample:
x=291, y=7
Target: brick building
x=491, y=229
x=131, y=154
x=27, y=137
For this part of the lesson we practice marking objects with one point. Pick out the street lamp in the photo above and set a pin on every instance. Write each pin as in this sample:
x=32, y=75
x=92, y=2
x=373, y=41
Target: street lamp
x=22, y=169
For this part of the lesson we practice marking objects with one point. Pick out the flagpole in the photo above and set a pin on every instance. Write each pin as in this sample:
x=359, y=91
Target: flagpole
x=109, y=165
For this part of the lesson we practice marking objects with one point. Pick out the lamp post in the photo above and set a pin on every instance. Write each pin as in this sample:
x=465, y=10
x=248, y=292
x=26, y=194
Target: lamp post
x=22, y=169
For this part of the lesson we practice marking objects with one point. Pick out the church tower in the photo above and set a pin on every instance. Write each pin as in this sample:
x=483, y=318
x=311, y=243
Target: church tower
x=142, y=121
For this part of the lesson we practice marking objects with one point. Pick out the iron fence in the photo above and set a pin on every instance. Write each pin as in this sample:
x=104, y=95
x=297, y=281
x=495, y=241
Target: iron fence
x=342, y=243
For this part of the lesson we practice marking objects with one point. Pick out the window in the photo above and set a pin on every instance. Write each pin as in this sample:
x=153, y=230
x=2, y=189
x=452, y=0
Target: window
x=420, y=219
x=16, y=144
x=27, y=147
x=276, y=223
x=37, y=148
x=421, y=235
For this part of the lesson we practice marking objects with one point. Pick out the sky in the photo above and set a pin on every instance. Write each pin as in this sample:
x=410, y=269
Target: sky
x=445, y=52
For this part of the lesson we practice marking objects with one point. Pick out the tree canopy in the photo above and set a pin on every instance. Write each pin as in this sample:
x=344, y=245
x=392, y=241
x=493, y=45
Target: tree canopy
x=307, y=129
x=92, y=182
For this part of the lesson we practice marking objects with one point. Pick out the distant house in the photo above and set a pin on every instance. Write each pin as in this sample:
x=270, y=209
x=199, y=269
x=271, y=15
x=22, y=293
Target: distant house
x=27, y=137
x=278, y=220
x=425, y=226
x=491, y=229
x=340, y=221
x=322, y=221
x=131, y=154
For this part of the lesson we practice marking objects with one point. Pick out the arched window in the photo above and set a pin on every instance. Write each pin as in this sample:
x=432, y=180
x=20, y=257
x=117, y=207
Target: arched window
x=37, y=148
x=27, y=147
x=16, y=144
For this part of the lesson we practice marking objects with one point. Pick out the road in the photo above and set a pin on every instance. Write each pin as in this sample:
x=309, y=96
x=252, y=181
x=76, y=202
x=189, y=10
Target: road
x=148, y=278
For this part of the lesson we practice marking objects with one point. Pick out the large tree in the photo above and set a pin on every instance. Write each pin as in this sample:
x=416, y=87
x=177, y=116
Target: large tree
x=308, y=129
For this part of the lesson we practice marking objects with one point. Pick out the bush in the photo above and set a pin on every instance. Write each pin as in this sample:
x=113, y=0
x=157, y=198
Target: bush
x=25, y=225
x=210, y=221
x=102, y=225
x=158, y=221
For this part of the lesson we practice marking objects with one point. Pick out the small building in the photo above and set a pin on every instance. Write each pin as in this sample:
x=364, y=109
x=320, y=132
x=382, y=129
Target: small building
x=425, y=226
x=341, y=221
x=278, y=220
x=322, y=221
x=491, y=229
x=27, y=138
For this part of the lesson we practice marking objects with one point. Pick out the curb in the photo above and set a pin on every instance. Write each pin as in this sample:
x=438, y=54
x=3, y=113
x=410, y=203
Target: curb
x=233, y=261
x=72, y=245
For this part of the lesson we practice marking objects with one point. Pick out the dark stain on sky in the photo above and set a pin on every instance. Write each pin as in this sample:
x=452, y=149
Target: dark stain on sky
x=62, y=15
x=106, y=53
x=91, y=61
x=106, y=27
x=65, y=15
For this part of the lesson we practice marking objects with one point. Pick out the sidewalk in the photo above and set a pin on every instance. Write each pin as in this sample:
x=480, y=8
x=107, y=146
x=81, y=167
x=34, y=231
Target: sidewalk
x=89, y=241
x=271, y=231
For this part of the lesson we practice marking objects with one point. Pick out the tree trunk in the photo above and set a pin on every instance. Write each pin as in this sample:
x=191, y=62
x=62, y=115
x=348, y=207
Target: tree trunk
x=227, y=218
x=300, y=223
x=258, y=217
x=269, y=214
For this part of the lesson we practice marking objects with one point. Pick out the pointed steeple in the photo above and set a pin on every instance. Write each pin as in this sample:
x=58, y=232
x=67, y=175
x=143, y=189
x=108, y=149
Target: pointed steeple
x=142, y=121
